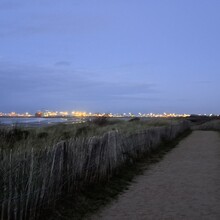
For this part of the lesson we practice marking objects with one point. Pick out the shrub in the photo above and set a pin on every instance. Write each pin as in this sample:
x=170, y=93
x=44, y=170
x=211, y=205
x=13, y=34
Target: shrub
x=42, y=135
x=100, y=121
x=134, y=119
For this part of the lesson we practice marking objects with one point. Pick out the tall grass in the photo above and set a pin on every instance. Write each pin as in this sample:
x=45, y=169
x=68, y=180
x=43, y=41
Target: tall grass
x=210, y=125
x=34, y=178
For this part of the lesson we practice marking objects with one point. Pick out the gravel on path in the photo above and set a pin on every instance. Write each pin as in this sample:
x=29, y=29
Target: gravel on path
x=184, y=185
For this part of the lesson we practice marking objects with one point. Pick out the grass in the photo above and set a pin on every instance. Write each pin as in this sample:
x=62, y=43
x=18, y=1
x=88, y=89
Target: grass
x=18, y=137
x=41, y=166
x=213, y=125
x=93, y=197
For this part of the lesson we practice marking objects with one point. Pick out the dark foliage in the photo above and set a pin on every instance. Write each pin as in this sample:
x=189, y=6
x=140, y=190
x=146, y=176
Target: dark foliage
x=100, y=121
x=134, y=119
x=42, y=135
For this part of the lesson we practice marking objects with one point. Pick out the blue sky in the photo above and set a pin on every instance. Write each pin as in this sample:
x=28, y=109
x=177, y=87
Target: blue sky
x=110, y=56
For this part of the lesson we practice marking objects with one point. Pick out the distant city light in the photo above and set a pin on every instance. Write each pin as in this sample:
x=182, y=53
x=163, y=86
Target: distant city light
x=48, y=113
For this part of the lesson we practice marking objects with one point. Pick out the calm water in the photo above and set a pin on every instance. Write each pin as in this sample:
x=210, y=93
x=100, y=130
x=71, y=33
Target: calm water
x=37, y=121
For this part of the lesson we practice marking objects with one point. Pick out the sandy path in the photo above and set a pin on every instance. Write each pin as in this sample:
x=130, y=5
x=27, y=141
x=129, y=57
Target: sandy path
x=184, y=185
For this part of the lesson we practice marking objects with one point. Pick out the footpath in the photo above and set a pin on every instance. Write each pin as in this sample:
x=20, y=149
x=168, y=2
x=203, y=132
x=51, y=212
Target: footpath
x=185, y=185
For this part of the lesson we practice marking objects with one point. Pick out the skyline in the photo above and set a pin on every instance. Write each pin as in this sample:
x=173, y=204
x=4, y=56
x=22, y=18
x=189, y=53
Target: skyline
x=66, y=114
x=48, y=113
x=118, y=56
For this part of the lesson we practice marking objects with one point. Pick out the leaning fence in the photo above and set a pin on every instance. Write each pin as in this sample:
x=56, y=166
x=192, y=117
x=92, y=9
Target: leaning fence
x=32, y=179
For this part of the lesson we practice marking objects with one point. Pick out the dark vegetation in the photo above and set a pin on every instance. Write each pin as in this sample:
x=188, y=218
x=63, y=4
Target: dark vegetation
x=40, y=166
x=134, y=119
x=205, y=122
x=213, y=125
x=198, y=120
x=92, y=198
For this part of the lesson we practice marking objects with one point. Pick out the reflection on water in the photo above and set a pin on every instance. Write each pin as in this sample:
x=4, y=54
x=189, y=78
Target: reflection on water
x=38, y=121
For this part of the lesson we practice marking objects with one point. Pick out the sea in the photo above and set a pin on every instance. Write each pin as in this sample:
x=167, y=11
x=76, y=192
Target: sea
x=37, y=122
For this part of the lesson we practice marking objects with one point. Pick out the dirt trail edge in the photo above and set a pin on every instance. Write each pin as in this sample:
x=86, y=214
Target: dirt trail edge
x=184, y=185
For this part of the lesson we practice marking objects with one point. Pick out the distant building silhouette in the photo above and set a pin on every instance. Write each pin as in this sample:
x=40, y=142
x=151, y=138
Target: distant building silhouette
x=38, y=114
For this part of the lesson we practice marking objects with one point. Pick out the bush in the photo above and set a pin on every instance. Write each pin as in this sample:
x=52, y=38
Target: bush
x=100, y=121
x=42, y=135
x=134, y=119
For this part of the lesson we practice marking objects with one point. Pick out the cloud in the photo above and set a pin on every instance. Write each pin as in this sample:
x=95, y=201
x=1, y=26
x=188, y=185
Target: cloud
x=62, y=63
x=203, y=81
x=34, y=21
x=57, y=85
x=9, y=5
x=140, y=96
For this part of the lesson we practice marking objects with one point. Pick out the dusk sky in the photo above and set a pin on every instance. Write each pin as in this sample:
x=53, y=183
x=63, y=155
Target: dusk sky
x=110, y=56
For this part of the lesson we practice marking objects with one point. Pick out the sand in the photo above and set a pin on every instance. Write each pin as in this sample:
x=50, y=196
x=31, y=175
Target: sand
x=184, y=185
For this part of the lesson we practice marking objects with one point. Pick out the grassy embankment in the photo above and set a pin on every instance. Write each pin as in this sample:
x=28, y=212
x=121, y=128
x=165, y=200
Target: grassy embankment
x=213, y=125
x=40, y=166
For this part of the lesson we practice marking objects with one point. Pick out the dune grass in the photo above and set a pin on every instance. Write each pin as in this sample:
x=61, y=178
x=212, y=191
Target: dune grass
x=213, y=125
x=40, y=166
x=92, y=198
